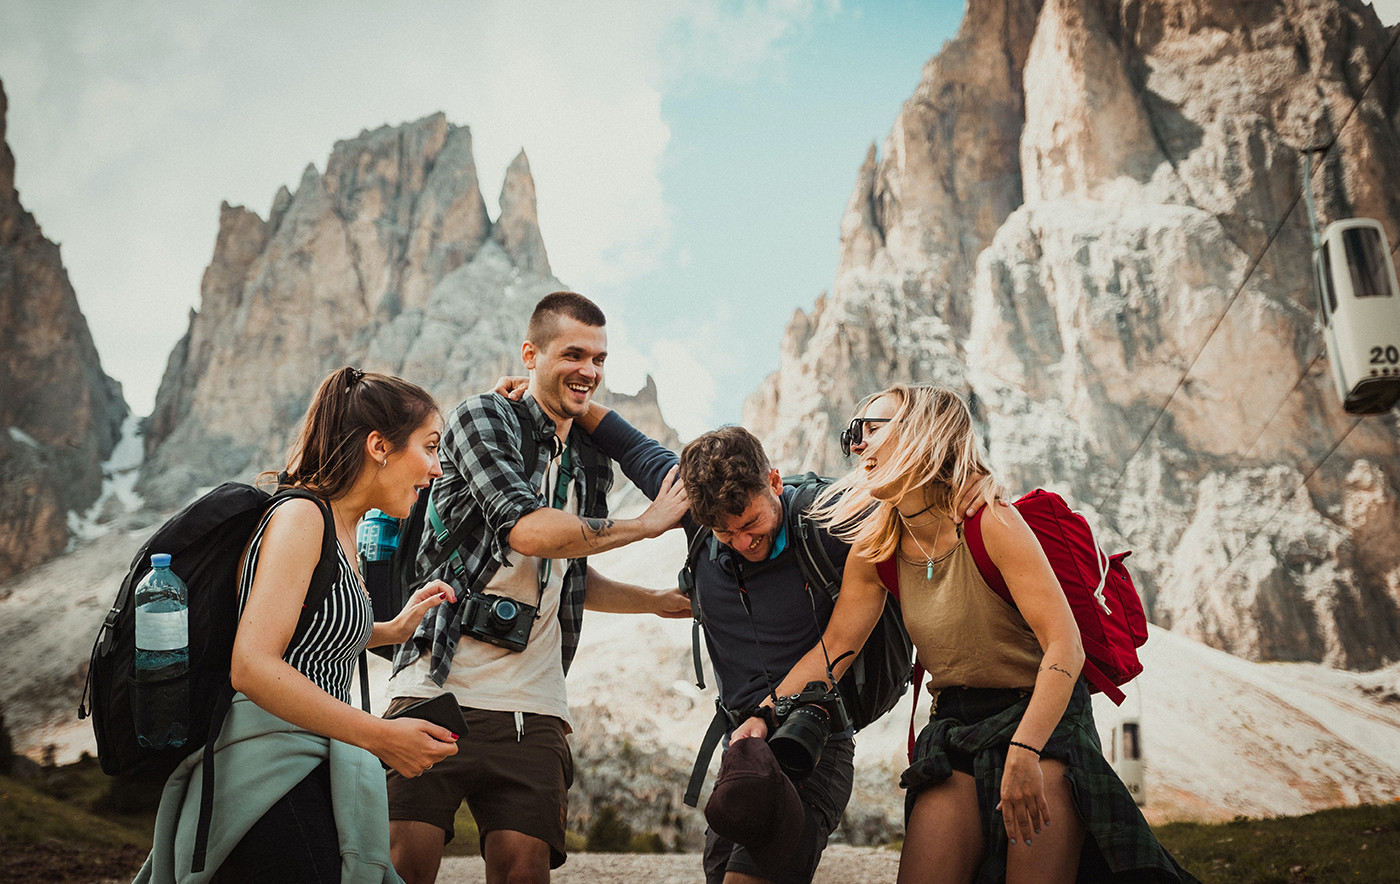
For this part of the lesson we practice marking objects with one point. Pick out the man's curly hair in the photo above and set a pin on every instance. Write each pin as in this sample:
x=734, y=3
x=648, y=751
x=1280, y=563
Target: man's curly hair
x=722, y=470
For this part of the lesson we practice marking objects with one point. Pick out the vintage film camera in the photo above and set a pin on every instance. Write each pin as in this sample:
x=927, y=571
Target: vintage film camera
x=806, y=720
x=499, y=621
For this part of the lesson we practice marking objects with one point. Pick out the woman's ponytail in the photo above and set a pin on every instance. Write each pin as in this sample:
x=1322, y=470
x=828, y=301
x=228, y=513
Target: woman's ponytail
x=329, y=452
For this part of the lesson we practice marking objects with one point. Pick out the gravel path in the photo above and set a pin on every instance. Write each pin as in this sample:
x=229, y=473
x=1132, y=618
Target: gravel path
x=840, y=865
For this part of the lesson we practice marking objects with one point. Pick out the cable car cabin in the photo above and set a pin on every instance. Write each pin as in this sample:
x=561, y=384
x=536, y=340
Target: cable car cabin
x=1125, y=756
x=1361, y=314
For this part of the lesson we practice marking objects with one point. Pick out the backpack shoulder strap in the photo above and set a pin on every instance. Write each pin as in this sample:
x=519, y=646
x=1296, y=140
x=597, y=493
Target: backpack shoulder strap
x=972, y=533
x=805, y=536
x=529, y=443
x=326, y=566
x=888, y=571
x=686, y=580
x=598, y=472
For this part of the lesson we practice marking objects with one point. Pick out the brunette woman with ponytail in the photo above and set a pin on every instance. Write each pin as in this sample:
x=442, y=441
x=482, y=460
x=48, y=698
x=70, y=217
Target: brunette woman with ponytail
x=367, y=441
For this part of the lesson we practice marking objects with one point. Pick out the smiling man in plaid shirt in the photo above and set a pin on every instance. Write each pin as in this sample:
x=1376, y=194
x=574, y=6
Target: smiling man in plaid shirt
x=528, y=532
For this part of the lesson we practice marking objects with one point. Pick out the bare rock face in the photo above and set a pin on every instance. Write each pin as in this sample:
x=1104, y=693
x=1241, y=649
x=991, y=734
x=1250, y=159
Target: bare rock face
x=518, y=229
x=60, y=415
x=388, y=261
x=910, y=236
x=1119, y=293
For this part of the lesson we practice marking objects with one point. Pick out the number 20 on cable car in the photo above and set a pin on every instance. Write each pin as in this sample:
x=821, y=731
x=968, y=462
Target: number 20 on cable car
x=1361, y=314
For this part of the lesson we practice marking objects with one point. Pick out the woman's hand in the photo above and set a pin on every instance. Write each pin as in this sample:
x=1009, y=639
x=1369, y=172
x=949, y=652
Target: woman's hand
x=1023, y=807
x=412, y=745
x=400, y=629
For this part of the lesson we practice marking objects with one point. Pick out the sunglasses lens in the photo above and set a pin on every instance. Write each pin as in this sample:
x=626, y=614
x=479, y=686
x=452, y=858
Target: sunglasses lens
x=851, y=436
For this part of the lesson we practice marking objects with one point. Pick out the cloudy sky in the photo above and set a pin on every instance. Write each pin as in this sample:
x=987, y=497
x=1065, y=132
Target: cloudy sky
x=692, y=157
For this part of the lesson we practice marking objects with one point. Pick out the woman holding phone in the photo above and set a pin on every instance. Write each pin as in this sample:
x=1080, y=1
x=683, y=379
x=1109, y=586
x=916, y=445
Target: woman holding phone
x=299, y=790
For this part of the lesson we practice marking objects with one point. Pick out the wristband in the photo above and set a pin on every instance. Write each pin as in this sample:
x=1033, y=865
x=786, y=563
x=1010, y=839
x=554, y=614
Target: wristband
x=1027, y=748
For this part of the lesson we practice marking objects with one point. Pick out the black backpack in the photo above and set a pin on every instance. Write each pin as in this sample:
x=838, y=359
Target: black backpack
x=393, y=581
x=205, y=541
x=881, y=672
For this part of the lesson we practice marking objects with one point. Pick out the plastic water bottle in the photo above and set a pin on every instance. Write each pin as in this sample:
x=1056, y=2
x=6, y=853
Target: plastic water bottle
x=378, y=536
x=376, y=541
x=162, y=657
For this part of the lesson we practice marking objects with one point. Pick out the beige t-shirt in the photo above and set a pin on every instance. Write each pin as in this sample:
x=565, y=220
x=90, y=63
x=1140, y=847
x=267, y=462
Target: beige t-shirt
x=965, y=635
x=485, y=676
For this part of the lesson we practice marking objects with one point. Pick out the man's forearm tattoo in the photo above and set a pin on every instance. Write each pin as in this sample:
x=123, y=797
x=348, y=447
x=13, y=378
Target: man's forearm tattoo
x=596, y=529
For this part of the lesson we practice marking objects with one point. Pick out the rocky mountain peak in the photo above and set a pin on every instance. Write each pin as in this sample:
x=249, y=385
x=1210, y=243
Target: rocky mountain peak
x=387, y=261
x=518, y=229
x=1089, y=240
x=60, y=415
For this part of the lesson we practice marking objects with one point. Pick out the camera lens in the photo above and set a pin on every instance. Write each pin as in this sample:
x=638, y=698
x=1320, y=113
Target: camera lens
x=503, y=614
x=798, y=741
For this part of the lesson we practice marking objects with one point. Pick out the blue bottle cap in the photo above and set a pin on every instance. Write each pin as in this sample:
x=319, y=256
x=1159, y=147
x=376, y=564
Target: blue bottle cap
x=160, y=560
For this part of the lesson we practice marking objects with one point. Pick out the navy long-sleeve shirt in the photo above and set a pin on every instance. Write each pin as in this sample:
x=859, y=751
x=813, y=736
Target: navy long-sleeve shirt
x=787, y=620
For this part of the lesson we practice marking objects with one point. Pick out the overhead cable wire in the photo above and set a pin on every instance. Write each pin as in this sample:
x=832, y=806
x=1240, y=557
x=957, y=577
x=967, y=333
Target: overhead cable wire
x=1239, y=289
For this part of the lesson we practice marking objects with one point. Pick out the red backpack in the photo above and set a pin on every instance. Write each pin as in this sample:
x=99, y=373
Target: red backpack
x=1100, y=592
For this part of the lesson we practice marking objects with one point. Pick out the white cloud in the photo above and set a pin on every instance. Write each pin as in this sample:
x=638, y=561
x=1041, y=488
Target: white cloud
x=684, y=386
x=126, y=146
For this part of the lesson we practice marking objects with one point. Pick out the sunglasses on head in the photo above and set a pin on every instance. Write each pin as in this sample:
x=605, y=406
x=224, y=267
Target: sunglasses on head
x=855, y=433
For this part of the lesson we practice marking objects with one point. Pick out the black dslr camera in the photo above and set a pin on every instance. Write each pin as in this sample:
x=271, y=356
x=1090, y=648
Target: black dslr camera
x=805, y=721
x=499, y=621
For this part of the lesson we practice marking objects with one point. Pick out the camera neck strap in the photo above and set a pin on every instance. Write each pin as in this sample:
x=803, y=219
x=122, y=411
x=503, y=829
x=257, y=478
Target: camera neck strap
x=821, y=639
x=763, y=652
x=748, y=609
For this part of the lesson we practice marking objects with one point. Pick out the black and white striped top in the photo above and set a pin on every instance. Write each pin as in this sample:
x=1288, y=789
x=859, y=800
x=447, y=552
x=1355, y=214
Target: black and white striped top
x=340, y=626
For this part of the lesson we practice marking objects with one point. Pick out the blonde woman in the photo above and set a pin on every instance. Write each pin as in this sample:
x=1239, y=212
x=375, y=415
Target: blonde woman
x=1007, y=780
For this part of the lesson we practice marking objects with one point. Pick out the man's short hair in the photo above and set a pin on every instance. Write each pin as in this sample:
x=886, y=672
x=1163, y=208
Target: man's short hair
x=544, y=321
x=722, y=471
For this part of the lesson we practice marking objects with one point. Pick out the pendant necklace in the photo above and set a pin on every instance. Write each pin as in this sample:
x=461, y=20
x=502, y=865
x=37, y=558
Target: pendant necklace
x=928, y=559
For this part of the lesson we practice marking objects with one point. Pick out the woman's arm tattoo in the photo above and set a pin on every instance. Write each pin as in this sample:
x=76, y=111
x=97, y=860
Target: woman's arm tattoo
x=1055, y=667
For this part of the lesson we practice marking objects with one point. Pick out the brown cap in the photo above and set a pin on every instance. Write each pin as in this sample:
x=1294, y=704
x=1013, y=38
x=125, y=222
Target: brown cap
x=755, y=804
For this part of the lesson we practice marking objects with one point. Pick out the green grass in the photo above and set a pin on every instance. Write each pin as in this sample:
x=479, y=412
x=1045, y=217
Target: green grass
x=28, y=815
x=1359, y=844
x=50, y=832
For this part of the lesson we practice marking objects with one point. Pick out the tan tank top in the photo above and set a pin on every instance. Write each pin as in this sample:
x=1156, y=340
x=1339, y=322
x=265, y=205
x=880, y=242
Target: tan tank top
x=965, y=635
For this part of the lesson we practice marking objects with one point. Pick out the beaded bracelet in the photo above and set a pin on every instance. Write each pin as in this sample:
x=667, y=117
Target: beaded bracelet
x=1027, y=748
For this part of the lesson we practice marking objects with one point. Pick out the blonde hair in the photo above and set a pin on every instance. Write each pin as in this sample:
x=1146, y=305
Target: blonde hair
x=929, y=444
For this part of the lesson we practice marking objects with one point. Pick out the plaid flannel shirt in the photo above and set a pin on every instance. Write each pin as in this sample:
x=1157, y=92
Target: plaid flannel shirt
x=1129, y=851
x=483, y=479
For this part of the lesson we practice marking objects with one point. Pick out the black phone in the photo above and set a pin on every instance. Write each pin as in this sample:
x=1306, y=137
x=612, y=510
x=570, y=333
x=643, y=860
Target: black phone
x=441, y=710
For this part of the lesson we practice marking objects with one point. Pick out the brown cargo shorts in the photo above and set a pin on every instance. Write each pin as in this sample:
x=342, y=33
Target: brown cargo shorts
x=512, y=781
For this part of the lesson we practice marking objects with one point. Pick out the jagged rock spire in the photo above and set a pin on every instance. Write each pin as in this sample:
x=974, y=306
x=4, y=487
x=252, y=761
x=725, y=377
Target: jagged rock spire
x=518, y=229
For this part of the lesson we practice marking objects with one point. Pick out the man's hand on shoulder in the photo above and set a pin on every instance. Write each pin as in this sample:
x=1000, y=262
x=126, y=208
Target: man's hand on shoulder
x=669, y=507
x=511, y=387
x=970, y=499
